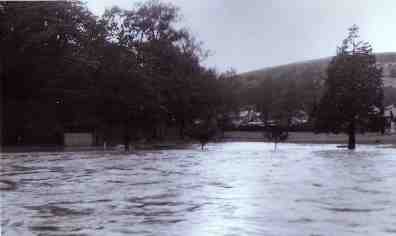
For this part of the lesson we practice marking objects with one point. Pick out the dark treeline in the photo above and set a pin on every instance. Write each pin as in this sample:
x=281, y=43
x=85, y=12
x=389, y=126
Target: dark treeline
x=64, y=69
x=136, y=74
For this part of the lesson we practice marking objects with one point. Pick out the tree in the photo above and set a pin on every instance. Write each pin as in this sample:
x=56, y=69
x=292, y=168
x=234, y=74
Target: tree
x=136, y=69
x=287, y=104
x=44, y=58
x=353, y=89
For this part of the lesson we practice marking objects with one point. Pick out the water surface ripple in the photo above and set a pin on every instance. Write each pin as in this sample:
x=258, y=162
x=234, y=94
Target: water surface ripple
x=228, y=189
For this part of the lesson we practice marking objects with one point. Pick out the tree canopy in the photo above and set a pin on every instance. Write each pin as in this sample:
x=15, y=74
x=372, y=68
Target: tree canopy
x=63, y=68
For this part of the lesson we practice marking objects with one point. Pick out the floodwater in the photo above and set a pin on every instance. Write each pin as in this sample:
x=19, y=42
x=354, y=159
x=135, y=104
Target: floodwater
x=228, y=189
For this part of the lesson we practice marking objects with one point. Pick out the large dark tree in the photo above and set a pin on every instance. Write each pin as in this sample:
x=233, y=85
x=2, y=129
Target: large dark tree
x=62, y=69
x=45, y=49
x=353, y=89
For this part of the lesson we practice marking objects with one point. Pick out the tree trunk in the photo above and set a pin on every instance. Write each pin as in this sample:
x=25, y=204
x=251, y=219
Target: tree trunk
x=352, y=135
x=127, y=138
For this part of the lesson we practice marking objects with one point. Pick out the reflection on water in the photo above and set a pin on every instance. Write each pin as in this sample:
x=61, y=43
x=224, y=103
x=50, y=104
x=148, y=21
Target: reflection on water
x=229, y=189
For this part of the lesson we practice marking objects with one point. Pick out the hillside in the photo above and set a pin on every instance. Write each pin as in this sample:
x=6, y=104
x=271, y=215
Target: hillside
x=317, y=69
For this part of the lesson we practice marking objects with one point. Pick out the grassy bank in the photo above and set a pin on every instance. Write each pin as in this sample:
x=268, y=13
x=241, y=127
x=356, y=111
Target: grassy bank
x=308, y=137
x=232, y=136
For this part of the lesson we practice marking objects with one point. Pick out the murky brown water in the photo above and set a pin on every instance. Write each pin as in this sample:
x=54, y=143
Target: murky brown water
x=229, y=189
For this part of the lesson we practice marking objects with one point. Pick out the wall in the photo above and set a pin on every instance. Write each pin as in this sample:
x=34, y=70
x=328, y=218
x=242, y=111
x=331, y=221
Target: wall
x=78, y=139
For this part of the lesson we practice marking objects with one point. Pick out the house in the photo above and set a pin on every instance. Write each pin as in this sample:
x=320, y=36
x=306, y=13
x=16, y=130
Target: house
x=248, y=117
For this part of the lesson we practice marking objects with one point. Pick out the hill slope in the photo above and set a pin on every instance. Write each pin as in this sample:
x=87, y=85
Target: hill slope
x=317, y=69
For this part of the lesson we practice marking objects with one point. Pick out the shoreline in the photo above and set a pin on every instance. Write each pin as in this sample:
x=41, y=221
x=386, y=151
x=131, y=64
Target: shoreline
x=312, y=138
x=232, y=136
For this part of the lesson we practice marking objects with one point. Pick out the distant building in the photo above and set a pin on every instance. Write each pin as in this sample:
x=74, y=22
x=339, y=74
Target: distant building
x=247, y=117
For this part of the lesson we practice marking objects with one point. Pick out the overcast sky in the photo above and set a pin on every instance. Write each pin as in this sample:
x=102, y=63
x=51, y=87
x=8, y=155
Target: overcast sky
x=253, y=34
